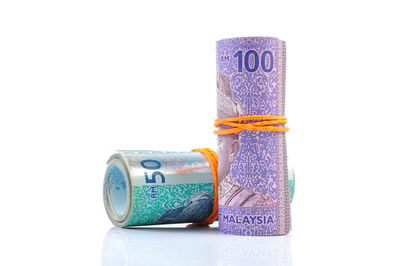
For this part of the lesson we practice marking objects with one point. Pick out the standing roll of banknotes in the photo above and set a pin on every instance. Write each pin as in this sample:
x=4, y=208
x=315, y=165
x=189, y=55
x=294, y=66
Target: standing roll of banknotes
x=252, y=171
x=154, y=187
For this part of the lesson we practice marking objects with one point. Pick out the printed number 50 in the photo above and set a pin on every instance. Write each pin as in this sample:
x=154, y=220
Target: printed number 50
x=152, y=165
x=153, y=177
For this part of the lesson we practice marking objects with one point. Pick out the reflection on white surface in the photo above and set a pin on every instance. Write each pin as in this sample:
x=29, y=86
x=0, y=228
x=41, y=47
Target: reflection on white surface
x=191, y=246
x=253, y=250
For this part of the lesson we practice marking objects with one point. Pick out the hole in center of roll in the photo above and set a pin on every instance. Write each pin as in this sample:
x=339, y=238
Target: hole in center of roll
x=117, y=189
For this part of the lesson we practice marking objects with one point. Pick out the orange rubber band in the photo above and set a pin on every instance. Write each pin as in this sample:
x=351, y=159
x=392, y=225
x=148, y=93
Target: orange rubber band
x=213, y=161
x=268, y=124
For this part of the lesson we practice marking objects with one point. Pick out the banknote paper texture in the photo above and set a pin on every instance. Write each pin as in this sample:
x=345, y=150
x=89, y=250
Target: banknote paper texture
x=252, y=171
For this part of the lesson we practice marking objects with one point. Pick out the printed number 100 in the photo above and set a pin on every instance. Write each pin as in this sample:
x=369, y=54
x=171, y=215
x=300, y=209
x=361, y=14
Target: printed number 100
x=265, y=67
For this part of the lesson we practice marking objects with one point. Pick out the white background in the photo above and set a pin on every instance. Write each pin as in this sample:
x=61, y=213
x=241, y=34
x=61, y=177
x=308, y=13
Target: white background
x=79, y=79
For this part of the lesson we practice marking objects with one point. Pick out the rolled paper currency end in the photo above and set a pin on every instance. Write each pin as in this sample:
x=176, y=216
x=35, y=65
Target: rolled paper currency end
x=153, y=187
x=253, y=185
x=292, y=182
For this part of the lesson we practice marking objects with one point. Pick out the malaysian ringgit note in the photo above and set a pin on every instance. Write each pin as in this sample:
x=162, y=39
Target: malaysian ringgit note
x=252, y=171
x=156, y=187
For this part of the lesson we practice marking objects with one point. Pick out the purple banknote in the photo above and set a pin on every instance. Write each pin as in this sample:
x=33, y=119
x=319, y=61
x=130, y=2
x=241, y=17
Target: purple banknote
x=252, y=171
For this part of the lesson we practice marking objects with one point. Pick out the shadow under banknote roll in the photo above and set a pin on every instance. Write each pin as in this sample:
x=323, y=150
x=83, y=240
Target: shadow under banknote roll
x=160, y=246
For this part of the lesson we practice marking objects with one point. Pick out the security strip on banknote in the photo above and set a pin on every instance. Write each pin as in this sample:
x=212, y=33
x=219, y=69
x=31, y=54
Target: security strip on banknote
x=254, y=197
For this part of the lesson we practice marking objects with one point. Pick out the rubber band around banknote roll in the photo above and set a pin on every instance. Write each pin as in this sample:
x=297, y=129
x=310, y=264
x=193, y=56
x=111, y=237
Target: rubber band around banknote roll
x=212, y=158
x=237, y=124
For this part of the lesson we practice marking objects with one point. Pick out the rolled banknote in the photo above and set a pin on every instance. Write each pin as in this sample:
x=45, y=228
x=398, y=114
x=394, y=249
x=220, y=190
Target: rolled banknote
x=154, y=187
x=252, y=171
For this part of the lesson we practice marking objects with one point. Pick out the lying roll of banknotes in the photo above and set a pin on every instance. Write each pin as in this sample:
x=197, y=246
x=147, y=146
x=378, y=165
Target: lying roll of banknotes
x=252, y=171
x=154, y=187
